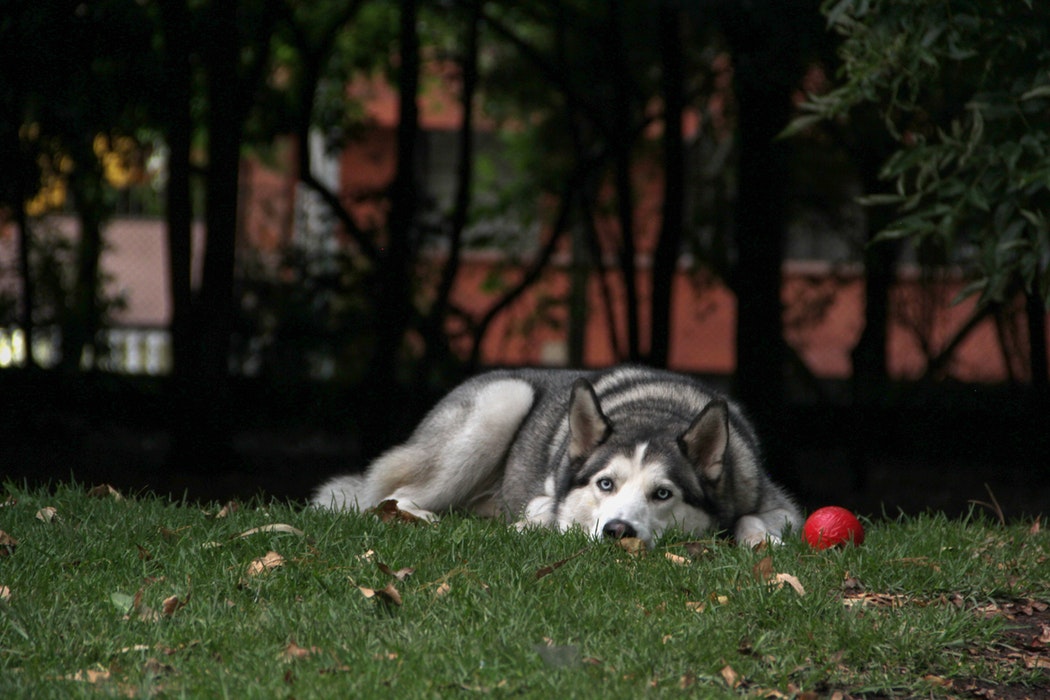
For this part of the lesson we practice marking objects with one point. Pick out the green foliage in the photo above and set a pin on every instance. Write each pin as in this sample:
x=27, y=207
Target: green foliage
x=145, y=596
x=964, y=86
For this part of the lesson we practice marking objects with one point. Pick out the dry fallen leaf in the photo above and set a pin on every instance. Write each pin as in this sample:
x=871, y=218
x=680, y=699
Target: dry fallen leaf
x=173, y=603
x=168, y=534
x=695, y=606
x=763, y=570
x=697, y=549
x=271, y=560
x=676, y=559
x=104, y=491
x=141, y=611
x=230, y=507
x=5, y=594
x=134, y=648
x=384, y=595
x=781, y=579
x=632, y=545
x=443, y=589
x=91, y=675
x=877, y=600
x=47, y=514
x=275, y=527
x=293, y=651
x=551, y=568
x=7, y=544
x=938, y=681
x=400, y=574
x=153, y=667
x=731, y=677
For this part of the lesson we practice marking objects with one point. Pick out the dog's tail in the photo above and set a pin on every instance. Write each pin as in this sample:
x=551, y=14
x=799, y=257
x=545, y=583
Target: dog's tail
x=341, y=493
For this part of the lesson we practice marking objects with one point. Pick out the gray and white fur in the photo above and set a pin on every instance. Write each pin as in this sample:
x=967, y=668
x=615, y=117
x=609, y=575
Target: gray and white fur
x=623, y=452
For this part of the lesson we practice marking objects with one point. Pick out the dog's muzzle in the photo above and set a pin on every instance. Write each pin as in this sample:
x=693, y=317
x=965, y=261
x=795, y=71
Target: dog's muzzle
x=618, y=529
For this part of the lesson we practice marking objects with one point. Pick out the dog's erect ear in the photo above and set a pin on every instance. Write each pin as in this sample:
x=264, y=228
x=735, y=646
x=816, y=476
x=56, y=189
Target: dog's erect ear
x=588, y=426
x=706, y=440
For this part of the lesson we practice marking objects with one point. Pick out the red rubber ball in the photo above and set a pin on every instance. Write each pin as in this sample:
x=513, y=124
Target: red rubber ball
x=832, y=526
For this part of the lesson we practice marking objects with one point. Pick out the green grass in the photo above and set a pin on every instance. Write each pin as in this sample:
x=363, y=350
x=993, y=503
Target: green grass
x=905, y=614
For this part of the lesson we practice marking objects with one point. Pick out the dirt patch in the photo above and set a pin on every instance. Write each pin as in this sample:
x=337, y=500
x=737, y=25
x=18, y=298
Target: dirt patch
x=1025, y=644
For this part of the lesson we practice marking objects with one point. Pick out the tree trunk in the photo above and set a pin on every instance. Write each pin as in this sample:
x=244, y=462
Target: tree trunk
x=80, y=331
x=395, y=265
x=1036, y=313
x=204, y=421
x=622, y=150
x=25, y=243
x=179, y=207
x=436, y=341
x=665, y=258
x=762, y=57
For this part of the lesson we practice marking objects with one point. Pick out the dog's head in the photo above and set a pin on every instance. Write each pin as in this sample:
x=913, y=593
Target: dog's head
x=636, y=478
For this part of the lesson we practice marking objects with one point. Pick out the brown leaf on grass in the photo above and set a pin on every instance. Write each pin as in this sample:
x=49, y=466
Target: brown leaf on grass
x=173, y=603
x=764, y=573
x=387, y=512
x=388, y=595
x=400, y=574
x=47, y=514
x=144, y=554
x=938, y=681
x=104, y=491
x=168, y=534
x=153, y=667
x=5, y=594
x=141, y=611
x=228, y=509
x=731, y=677
x=676, y=559
x=632, y=545
x=442, y=590
x=7, y=544
x=274, y=527
x=781, y=579
x=271, y=560
x=763, y=570
x=697, y=549
x=260, y=565
x=877, y=600
x=89, y=675
x=551, y=568
x=293, y=651
x=1034, y=530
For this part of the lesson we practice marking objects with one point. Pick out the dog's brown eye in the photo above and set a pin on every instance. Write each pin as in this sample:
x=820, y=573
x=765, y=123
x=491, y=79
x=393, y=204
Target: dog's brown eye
x=662, y=494
x=604, y=484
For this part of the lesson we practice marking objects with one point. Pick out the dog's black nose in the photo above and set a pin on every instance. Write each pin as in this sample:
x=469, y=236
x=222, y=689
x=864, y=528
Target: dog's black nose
x=618, y=529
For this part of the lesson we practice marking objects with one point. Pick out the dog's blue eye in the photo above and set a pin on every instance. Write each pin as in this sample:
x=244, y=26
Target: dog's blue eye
x=605, y=484
x=662, y=494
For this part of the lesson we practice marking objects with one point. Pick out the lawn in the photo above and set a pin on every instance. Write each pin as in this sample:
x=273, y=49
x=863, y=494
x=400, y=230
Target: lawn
x=140, y=596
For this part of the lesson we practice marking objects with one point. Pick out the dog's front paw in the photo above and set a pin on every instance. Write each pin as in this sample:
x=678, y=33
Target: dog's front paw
x=751, y=531
x=394, y=509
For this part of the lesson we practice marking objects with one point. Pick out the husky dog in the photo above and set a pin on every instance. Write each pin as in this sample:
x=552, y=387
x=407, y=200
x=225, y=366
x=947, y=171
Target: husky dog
x=624, y=452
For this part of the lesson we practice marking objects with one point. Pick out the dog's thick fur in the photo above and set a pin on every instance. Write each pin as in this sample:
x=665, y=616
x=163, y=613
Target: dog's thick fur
x=628, y=451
